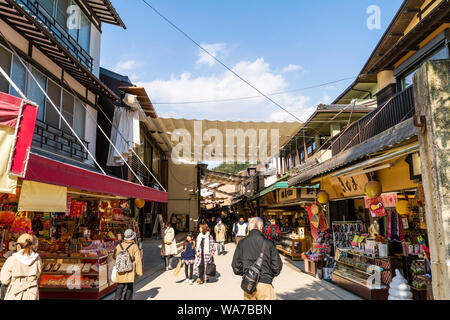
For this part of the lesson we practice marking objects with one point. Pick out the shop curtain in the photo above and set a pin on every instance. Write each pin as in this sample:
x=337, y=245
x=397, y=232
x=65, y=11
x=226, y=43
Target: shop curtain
x=127, y=123
x=42, y=197
x=8, y=183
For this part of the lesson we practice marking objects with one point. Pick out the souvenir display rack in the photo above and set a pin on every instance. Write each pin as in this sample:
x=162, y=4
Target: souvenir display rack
x=291, y=246
x=356, y=271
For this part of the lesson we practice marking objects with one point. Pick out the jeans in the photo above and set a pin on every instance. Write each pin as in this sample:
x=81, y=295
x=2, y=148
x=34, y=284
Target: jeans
x=189, y=270
x=128, y=291
x=220, y=245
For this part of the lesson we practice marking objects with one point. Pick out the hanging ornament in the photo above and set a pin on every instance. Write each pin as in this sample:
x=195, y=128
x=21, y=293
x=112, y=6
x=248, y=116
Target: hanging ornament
x=315, y=209
x=140, y=203
x=372, y=189
x=403, y=208
x=323, y=197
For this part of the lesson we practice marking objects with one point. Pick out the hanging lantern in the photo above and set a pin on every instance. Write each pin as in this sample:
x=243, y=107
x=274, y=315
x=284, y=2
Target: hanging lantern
x=315, y=209
x=372, y=189
x=140, y=203
x=403, y=208
x=323, y=197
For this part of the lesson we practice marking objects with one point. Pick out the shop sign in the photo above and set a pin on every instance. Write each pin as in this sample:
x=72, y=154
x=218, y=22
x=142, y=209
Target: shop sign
x=376, y=207
x=349, y=186
x=389, y=200
x=285, y=195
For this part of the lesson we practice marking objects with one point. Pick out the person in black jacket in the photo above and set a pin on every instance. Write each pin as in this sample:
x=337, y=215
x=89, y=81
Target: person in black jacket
x=248, y=251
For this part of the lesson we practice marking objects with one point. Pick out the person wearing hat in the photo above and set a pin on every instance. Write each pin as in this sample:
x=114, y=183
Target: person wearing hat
x=220, y=230
x=126, y=280
x=21, y=271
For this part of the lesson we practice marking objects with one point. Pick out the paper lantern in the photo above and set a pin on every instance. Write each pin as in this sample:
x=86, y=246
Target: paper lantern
x=323, y=197
x=372, y=189
x=403, y=208
x=139, y=203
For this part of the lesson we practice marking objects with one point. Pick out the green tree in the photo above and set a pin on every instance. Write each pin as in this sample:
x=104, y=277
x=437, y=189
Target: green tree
x=232, y=167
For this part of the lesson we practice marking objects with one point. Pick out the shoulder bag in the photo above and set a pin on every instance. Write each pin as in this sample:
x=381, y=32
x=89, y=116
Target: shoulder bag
x=251, y=276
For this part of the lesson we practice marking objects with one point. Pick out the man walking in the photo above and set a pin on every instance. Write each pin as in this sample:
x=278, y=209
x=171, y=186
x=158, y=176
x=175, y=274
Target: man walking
x=248, y=251
x=240, y=230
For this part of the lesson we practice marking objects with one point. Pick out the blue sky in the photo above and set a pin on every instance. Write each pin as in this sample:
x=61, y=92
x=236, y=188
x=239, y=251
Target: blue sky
x=276, y=45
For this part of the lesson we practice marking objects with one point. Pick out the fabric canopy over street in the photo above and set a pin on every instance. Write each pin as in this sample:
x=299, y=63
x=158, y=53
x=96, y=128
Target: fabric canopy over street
x=45, y=170
x=163, y=128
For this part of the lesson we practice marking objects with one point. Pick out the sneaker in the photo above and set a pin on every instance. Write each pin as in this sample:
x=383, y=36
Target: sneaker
x=167, y=268
x=186, y=281
x=191, y=281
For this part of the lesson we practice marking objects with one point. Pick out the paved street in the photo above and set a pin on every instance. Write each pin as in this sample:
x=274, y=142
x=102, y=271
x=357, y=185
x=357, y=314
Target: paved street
x=292, y=284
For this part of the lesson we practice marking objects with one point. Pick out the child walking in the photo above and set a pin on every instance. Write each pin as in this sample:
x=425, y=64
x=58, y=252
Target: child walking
x=188, y=258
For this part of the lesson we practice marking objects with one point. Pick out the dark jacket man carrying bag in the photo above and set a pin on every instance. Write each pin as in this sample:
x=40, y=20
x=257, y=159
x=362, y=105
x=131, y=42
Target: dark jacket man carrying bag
x=246, y=255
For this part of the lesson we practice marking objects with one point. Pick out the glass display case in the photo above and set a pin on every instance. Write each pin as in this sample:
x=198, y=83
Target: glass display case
x=292, y=247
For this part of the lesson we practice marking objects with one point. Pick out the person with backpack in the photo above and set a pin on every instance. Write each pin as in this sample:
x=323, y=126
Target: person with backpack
x=128, y=265
x=273, y=232
x=257, y=260
x=204, y=254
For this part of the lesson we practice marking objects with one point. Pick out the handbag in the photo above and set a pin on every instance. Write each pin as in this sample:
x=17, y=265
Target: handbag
x=211, y=268
x=251, y=276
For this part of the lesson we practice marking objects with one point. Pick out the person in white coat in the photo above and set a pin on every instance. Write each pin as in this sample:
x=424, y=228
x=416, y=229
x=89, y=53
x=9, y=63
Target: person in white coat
x=169, y=245
x=21, y=271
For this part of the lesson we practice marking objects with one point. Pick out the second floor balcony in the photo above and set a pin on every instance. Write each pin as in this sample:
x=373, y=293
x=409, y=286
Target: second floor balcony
x=58, y=141
x=398, y=109
x=59, y=32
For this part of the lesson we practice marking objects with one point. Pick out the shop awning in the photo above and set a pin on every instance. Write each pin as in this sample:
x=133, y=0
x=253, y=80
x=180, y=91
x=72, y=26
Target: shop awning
x=45, y=170
x=281, y=185
x=368, y=164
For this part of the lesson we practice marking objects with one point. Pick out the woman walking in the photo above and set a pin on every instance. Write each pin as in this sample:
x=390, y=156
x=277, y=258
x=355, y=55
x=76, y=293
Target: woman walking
x=220, y=230
x=127, y=252
x=169, y=245
x=22, y=271
x=188, y=258
x=204, y=253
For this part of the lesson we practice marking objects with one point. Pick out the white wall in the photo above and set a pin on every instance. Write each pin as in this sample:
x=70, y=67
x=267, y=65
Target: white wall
x=90, y=131
x=94, y=50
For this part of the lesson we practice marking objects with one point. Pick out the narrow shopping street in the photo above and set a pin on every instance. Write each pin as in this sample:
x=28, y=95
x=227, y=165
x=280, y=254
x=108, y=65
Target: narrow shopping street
x=291, y=284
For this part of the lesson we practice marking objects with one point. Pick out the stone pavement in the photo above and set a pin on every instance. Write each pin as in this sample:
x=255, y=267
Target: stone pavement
x=291, y=284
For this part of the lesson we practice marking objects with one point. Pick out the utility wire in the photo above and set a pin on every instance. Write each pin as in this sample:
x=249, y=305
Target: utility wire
x=219, y=61
x=254, y=97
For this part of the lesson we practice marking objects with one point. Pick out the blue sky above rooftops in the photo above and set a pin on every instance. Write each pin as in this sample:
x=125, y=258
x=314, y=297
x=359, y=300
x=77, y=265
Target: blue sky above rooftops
x=276, y=45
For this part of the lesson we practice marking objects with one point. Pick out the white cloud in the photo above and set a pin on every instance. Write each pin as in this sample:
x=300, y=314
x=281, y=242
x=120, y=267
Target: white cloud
x=225, y=85
x=291, y=67
x=124, y=66
x=216, y=49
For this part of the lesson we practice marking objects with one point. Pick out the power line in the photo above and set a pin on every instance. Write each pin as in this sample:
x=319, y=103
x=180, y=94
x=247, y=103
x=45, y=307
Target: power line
x=255, y=97
x=219, y=61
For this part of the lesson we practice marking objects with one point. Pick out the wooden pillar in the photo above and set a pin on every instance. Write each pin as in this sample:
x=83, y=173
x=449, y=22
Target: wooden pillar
x=432, y=104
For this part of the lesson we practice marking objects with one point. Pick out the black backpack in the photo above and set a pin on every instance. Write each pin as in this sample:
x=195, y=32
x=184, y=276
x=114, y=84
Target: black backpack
x=273, y=234
x=251, y=276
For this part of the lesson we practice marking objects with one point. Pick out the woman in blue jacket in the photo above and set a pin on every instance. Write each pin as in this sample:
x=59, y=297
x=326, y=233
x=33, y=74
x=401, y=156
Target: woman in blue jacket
x=188, y=258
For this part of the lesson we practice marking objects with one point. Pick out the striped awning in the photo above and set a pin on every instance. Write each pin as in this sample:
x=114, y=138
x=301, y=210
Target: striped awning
x=105, y=11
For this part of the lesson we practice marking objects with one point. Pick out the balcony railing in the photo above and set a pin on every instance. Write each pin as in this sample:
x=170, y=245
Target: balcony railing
x=399, y=109
x=58, y=141
x=61, y=35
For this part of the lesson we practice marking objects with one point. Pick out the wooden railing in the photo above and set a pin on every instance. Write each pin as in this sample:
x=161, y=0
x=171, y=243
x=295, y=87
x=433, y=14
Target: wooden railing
x=398, y=109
